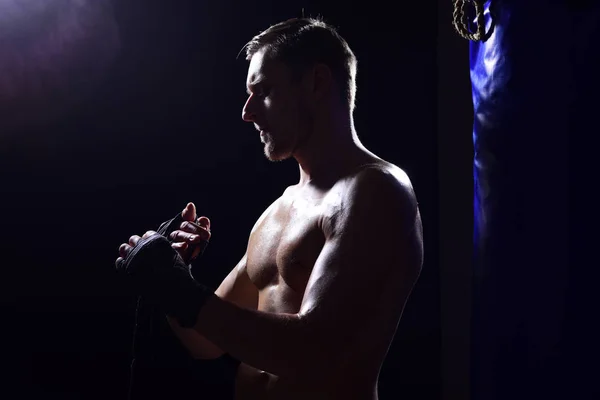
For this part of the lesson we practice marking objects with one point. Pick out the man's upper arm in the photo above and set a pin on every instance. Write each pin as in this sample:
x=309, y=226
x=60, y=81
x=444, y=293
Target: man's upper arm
x=376, y=234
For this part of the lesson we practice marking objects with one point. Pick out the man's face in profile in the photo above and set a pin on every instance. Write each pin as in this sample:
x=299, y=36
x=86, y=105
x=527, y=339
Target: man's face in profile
x=274, y=106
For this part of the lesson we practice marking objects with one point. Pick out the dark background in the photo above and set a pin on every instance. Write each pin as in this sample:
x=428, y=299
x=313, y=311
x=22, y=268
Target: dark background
x=162, y=126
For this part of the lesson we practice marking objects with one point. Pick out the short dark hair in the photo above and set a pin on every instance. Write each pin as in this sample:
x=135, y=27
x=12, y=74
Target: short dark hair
x=300, y=43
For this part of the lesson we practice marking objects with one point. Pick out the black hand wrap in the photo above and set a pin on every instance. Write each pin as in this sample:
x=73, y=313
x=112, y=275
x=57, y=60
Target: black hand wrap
x=168, y=227
x=157, y=272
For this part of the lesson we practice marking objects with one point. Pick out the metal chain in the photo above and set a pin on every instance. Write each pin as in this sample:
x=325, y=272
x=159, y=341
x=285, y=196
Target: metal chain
x=461, y=19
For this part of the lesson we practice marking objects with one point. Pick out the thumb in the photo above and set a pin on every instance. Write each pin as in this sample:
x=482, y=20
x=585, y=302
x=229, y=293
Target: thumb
x=204, y=222
x=189, y=212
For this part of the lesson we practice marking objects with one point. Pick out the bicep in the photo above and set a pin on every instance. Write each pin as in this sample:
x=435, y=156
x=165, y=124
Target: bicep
x=375, y=245
x=346, y=283
x=237, y=288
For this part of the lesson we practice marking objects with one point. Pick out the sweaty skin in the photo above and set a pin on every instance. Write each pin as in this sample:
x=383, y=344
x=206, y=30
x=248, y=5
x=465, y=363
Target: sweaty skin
x=313, y=305
x=277, y=275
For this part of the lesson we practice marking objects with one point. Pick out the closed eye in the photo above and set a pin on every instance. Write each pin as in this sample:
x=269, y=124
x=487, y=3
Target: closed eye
x=259, y=90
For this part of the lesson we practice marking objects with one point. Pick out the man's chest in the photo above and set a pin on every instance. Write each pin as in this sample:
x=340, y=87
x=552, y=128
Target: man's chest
x=286, y=243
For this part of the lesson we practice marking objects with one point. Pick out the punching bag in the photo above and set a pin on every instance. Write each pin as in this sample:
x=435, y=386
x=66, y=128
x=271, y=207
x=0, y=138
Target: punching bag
x=536, y=62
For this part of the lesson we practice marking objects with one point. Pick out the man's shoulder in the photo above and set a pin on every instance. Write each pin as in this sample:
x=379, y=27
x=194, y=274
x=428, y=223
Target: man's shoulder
x=382, y=182
x=381, y=192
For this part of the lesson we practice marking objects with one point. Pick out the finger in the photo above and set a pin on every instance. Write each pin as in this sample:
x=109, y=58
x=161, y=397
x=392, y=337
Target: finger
x=181, y=236
x=196, y=252
x=124, y=249
x=182, y=249
x=180, y=246
x=191, y=227
x=189, y=212
x=133, y=240
x=148, y=234
x=118, y=263
x=204, y=222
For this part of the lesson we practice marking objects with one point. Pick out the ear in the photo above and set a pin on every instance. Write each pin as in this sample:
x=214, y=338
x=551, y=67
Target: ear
x=322, y=81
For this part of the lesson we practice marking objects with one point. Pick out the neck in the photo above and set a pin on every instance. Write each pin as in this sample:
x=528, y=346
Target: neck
x=330, y=150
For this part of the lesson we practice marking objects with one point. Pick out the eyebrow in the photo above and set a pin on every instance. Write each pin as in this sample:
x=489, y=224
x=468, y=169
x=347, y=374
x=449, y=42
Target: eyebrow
x=257, y=83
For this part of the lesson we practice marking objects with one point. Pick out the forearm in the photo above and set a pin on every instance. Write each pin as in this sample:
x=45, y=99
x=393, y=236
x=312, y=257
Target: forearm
x=281, y=344
x=197, y=345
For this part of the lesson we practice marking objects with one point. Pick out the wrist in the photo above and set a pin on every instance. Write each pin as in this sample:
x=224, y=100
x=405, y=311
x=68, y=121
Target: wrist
x=158, y=272
x=186, y=302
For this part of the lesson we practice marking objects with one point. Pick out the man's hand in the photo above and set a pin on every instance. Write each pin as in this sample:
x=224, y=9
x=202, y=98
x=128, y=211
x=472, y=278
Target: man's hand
x=191, y=232
x=125, y=248
x=157, y=271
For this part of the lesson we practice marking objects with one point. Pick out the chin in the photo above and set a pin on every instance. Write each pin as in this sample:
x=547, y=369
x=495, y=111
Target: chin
x=276, y=154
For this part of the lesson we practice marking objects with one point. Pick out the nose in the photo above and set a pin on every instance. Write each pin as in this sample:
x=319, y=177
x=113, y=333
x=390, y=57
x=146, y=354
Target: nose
x=248, y=113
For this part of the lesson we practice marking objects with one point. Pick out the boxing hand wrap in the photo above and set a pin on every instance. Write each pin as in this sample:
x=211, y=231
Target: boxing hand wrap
x=168, y=227
x=157, y=272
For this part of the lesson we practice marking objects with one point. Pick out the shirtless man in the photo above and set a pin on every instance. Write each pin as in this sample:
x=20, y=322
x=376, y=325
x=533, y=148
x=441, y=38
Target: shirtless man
x=312, y=307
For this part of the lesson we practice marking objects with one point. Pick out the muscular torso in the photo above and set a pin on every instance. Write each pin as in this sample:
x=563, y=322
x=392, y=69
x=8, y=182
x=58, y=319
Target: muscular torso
x=282, y=250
